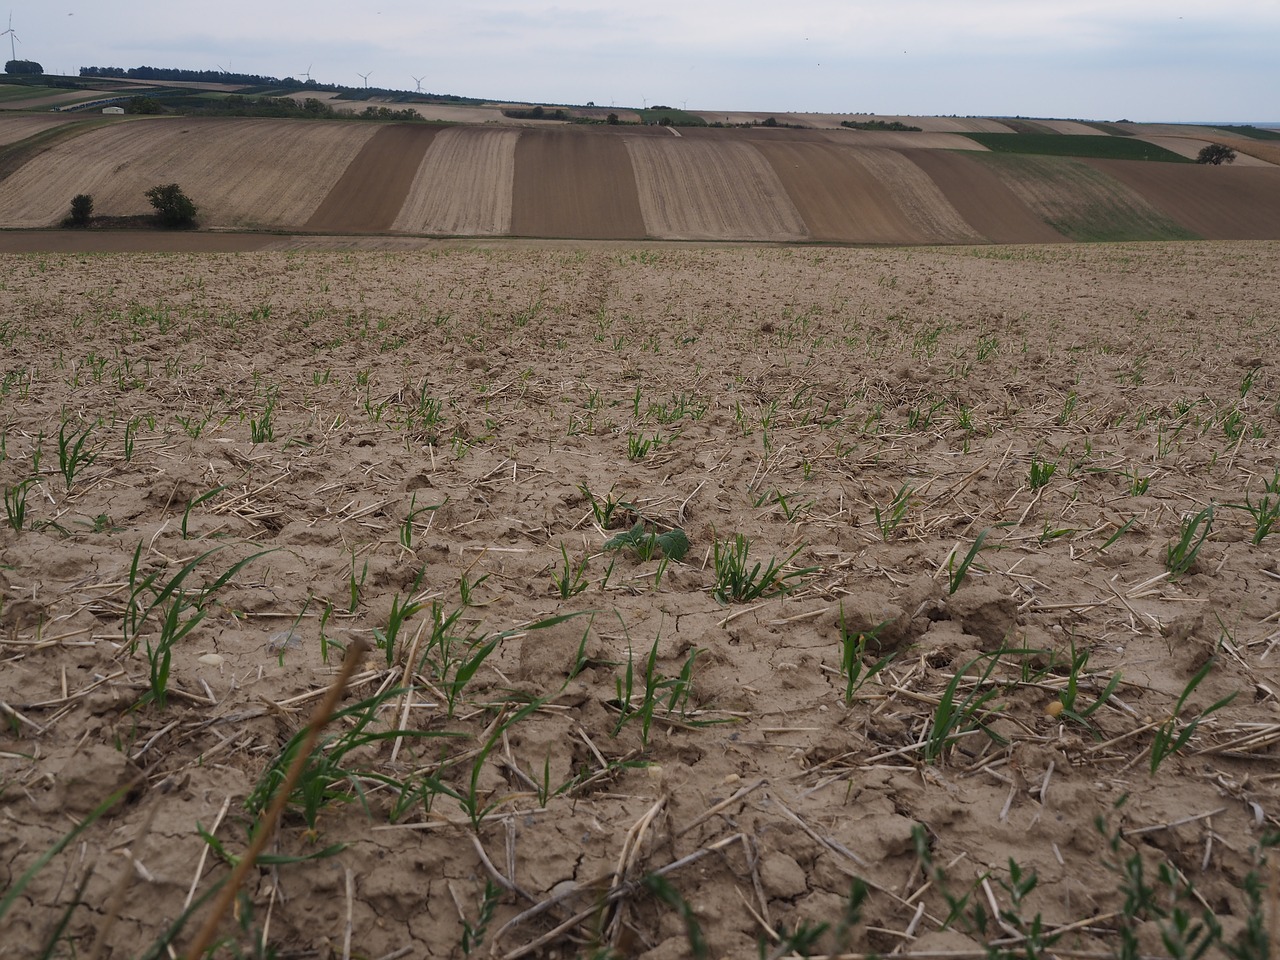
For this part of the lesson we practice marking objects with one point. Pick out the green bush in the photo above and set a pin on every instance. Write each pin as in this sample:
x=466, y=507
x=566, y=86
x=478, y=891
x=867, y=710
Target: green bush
x=173, y=207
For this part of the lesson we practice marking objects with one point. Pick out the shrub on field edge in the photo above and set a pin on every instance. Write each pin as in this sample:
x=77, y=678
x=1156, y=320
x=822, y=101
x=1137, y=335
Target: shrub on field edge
x=173, y=207
x=1216, y=154
x=81, y=211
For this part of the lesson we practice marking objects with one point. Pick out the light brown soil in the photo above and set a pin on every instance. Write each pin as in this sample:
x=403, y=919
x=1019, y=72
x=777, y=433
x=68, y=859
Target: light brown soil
x=692, y=189
x=240, y=172
x=373, y=188
x=13, y=129
x=1072, y=128
x=438, y=421
x=574, y=186
x=463, y=184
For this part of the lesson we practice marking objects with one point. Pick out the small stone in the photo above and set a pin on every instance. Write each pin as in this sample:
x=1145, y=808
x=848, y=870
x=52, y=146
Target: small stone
x=212, y=660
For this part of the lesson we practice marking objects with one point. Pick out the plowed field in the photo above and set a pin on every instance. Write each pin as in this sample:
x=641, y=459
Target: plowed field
x=617, y=182
x=240, y=172
x=463, y=184
x=1081, y=201
x=574, y=186
x=1212, y=202
x=699, y=190
x=370, y=194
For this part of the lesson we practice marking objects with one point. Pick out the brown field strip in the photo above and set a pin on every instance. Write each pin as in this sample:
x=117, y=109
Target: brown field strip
x=571, y=184
x=1081, y=200
x=1219, y=203
x=463, y=184
x=132, y=241
x=1072, y=128
x=984, y=200
x=240, y=173
x=862, y=196
x=369, y=195
x=699, y=190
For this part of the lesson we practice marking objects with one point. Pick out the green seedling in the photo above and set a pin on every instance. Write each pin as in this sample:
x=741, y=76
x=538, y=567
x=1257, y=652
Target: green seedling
x=853, y=648
x=356, y=584
x=473, y=934
x=72, y=456
x=675, y=691
x=887, y=522
x=638, y=446
x=1068, y=408
x=470, y=801
x=467, y=588
x=740, y=581
x=1247, y=383
x=645, y=543
x=1266, y=511
x=415, y=511
x=1172, y=735
x=1120, y=532
x=15, y=503
x=569, y=580
x=260, y=427
x=1180, y=557
x=1042, y=472
x=953, y=718
x=400, y=614
x=172, y=629
x=1070, y=693
x=327, y=776
x=192, y=504
x=958, y=572
x=1138, y=484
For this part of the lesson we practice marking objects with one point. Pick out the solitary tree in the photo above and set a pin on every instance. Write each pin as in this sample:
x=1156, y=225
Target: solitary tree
x=613, y=118
x=173, y=207
x=1216, y=154
x=23, y=67
x=81, y=210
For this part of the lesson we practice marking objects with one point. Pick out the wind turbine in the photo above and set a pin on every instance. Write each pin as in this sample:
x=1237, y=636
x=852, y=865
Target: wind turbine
x=13, y=55
x=307, y=73
x=419, y=80
x=365, y=77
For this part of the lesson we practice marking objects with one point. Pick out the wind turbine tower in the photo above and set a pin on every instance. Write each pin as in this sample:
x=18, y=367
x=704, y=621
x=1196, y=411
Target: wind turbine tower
x=419, y=82
x=365, y=77
x=307, y=73
x=13, y=54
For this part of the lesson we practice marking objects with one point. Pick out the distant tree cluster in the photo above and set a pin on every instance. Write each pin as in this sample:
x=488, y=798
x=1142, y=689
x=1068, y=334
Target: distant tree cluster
x=536, y=113
x=897, y=125
x=143, y=105
x=23, y=68
x=186, y=76
x=1216, y=154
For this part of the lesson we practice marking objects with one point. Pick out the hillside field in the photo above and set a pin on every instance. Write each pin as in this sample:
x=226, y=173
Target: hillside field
x=827, y=184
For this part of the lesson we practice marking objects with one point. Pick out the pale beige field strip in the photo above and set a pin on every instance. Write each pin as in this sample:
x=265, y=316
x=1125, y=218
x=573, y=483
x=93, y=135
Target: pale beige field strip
x=701, y=190
x=1072, y=128
x=13, y=129
x=50, y=100
x=463, y=186
x=918, y=195
x=1187, y=147
x=950, y=124
x=897, y=139
x=240, y=173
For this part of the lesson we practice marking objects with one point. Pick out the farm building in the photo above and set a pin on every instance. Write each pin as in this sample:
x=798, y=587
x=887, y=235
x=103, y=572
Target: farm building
x=113, y=110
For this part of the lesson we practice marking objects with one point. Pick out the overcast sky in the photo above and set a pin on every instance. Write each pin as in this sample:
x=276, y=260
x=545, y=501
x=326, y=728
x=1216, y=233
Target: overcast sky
x=1152, y=60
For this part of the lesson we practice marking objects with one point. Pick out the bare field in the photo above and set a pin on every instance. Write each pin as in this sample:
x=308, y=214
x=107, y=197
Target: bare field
x=463, y=185
x=696, y=190
x=13, y=129
x=616, y=182
x=241, y=172
x=1013, y=651
x=574, y=186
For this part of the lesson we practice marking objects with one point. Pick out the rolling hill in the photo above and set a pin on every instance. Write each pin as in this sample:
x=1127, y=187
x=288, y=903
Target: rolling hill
x=757, y=183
